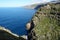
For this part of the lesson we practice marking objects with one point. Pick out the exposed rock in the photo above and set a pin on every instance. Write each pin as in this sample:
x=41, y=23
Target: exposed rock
x=47, y=26
x=6, y=34
x=31, y=32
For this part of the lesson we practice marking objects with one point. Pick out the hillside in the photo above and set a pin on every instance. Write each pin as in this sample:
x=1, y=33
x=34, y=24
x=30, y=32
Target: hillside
x=47, y=22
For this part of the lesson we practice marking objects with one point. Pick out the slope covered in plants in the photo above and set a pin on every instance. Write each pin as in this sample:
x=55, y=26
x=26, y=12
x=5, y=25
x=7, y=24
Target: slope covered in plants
x=47, y=22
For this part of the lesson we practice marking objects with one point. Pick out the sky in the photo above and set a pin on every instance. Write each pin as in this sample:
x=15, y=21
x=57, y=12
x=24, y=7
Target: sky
x=18, y=3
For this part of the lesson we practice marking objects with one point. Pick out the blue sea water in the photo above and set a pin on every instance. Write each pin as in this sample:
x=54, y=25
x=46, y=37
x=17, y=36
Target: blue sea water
x=15, y=19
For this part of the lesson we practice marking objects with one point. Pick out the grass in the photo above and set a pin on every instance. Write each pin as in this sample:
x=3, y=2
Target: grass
x=46, y=22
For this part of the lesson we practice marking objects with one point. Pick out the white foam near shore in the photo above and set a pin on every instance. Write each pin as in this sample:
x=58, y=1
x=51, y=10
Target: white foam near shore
x=4, y=29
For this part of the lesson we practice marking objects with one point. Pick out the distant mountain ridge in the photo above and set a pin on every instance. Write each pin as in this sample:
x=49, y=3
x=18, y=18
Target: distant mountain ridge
x=38, y=5
x=31, y=6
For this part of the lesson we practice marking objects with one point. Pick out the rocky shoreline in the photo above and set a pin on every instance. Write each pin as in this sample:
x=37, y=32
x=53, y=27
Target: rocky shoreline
x=6, y=34
x=45, y=25
x=47, y=22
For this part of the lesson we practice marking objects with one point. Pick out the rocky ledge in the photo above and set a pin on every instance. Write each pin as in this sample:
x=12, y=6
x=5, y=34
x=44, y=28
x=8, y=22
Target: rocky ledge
x=6, y=34
x=47, y=22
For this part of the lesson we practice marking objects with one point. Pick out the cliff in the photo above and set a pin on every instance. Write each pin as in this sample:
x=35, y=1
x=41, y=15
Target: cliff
x=47, y=22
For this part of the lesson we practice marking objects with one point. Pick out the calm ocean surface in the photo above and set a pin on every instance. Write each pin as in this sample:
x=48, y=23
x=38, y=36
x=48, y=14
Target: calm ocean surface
x=15, y=19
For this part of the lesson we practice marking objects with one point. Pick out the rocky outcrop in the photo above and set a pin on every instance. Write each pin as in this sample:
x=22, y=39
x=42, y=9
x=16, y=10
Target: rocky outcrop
x=6, y=34
x=47, y=22
x=31, y=33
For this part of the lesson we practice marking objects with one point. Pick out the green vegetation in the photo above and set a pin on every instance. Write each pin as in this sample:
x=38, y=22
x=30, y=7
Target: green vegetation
x=47, y=22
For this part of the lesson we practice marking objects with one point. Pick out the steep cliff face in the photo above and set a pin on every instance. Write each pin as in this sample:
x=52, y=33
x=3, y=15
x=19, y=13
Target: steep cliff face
x=47, y=25
x=47, y=22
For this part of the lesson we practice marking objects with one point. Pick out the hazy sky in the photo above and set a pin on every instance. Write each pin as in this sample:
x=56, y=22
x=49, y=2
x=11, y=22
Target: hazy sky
x=18, y=3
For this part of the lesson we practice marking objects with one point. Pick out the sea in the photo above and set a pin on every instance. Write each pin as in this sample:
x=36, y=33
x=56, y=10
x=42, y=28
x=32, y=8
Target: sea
x=16, y=18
